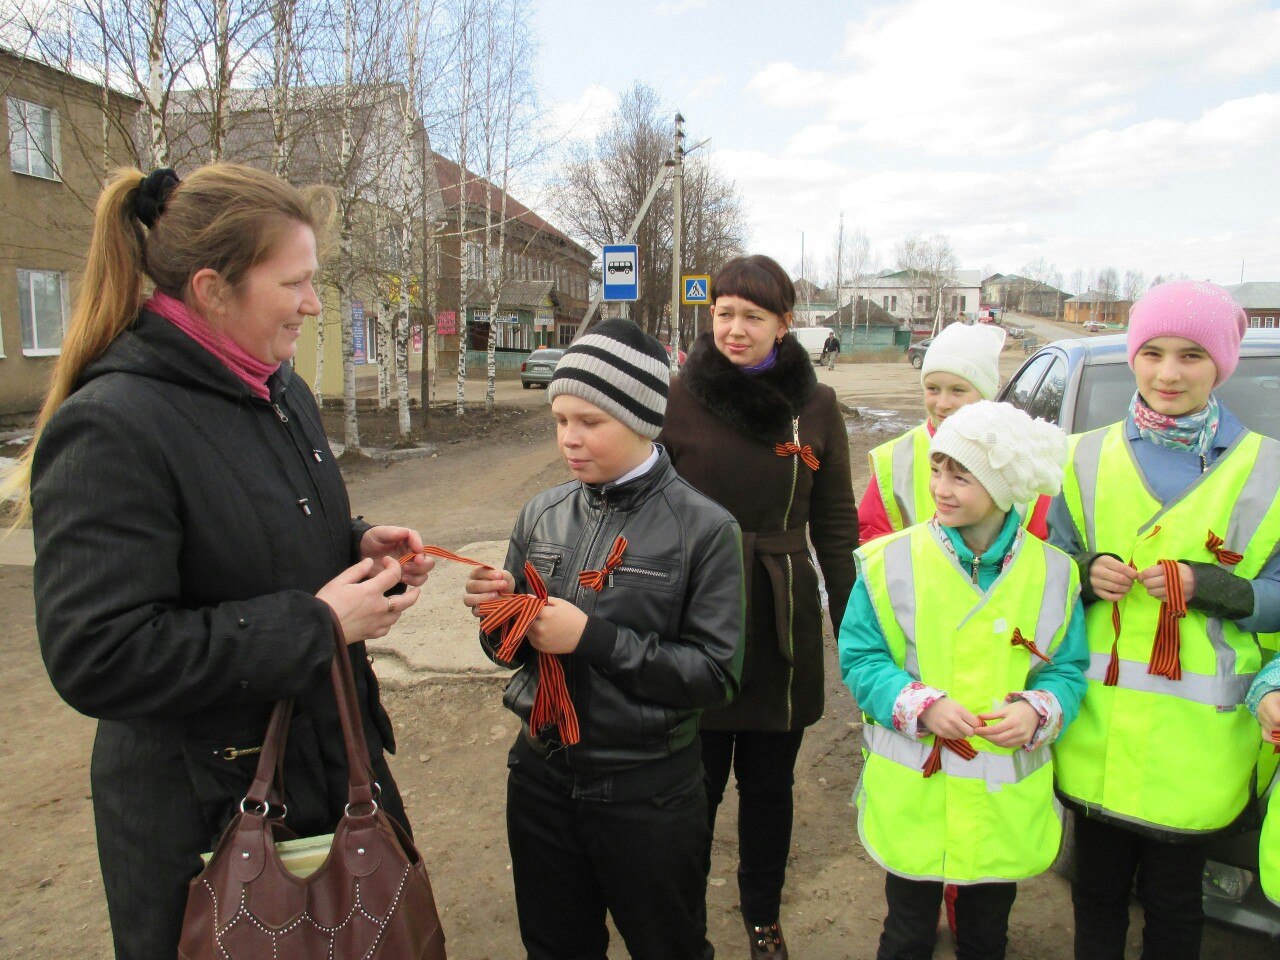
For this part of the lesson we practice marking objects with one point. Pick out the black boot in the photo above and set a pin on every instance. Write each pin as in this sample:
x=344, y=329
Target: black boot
x=767, y=942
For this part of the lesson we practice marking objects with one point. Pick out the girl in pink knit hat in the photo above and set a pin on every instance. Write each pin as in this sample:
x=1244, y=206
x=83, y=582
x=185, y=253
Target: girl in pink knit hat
x=1173, y=516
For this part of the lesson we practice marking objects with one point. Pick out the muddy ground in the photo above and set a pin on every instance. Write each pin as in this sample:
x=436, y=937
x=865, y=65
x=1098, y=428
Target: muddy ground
x=454, y=736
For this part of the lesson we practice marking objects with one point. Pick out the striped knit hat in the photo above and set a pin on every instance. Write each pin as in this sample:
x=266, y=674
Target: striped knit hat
x=622, y=370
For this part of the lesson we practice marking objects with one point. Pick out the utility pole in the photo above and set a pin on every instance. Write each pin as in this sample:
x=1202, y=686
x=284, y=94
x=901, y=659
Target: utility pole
x=839, y=266
x=677, y=214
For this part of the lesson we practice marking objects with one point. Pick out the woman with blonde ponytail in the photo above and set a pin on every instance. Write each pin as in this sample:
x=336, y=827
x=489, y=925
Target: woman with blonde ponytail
x=194, y=540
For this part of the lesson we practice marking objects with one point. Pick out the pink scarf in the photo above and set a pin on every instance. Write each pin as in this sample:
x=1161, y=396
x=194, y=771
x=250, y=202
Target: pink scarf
x=249, y=369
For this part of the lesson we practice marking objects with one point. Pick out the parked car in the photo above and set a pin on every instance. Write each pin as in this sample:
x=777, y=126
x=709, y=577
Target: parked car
x=1083, y=384
x=915, y=352
x=539, y=365
x=681, y=359
x=1094, y=326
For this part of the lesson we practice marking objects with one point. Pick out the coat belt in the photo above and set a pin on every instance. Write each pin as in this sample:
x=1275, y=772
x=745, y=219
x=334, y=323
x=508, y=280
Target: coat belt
x=768, y=547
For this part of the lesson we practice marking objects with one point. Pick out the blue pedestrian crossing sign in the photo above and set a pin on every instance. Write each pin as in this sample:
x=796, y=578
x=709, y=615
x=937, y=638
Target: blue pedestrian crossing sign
x=696, y=288
x=621, y=272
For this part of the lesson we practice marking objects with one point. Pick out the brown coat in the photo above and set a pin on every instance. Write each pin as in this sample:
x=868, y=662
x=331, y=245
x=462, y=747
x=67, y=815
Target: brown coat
x=721, y=429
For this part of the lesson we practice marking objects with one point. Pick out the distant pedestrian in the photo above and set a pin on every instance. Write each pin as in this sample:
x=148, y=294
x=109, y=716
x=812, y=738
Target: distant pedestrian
x=194, y=540
x=831, y=350
x=750, y=426
x=1174, y=517
x=947, y=618
x=642, y=631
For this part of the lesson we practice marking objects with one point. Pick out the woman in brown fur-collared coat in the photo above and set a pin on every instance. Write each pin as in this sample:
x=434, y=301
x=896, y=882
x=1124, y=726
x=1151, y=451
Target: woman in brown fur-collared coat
x=749, y=425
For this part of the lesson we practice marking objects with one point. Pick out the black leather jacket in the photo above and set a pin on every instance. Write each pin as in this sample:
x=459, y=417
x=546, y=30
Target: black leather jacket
x=663, y=639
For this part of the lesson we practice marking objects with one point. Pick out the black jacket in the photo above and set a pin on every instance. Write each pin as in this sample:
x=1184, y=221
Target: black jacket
x=182, y=528
x=663, y=639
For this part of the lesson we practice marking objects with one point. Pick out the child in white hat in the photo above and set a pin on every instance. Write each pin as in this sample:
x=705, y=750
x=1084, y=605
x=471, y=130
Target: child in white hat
x=964, y=645
x=960, y=367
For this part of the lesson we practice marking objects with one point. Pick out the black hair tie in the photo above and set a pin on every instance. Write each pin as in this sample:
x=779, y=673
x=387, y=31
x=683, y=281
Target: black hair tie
x=152, y=194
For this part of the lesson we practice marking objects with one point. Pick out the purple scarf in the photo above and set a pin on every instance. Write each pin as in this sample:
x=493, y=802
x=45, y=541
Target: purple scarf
x=766, y=364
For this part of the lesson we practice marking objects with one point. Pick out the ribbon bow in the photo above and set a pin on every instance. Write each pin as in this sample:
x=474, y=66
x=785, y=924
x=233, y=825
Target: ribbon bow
x=792, y=449
x=1018, y=640
x=1166, y=654
x=596, y=579
x=512, y=617
x=1214, y=544
x=962, y=748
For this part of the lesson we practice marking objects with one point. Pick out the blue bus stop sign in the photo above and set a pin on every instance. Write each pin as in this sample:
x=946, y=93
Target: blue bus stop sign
x=621, y=271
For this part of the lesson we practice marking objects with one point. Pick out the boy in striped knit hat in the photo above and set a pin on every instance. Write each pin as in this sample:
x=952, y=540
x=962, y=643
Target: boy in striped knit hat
x=640, y=630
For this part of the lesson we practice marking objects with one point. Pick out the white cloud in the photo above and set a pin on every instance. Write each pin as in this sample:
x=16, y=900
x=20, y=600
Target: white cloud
x=584, y=118
x=669, y=8
x=988, y=77
x=1145, y=152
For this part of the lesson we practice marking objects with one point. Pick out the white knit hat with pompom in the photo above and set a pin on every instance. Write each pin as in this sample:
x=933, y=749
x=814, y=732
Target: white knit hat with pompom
x=1013, y=456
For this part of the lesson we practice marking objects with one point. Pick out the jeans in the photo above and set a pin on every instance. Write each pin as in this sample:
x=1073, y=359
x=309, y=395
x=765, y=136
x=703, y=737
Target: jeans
x=1108, y=858
x=764, y=764
x=574, y=859
x=911, y=927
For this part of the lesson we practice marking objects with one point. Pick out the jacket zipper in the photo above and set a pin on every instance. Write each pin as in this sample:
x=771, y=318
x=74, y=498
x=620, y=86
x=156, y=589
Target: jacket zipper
x=976, y=561
x=303, y=503
x=571, y=675
x=641, y=571
x=791, y=599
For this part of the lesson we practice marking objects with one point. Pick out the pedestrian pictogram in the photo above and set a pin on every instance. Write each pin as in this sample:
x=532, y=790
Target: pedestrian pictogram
x=696, y=289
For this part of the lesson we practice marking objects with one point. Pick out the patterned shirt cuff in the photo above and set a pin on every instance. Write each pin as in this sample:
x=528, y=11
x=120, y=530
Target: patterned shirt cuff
x=1046, y=704
x=915, y=699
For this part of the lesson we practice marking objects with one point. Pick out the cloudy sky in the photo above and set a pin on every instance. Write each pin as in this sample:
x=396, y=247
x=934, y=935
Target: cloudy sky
x=1139, y=134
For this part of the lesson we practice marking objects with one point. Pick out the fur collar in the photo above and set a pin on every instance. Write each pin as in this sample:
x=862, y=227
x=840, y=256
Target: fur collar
x=757, y=404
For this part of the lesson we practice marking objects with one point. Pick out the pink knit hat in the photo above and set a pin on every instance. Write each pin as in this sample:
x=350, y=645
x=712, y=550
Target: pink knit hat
x=1203, y=313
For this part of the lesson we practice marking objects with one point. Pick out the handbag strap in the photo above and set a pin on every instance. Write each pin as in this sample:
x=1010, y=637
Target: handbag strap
x=270, y=771
x=360, y=787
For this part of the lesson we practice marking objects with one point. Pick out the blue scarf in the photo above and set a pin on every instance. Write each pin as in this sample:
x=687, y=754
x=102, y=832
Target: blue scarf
x=1191, y=433
x=765, y=364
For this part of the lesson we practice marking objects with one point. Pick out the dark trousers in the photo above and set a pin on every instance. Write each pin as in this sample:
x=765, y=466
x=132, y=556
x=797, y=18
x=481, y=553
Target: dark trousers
x=911, y=926
x=764, y=764
x=574, y=859
x=1108, y=858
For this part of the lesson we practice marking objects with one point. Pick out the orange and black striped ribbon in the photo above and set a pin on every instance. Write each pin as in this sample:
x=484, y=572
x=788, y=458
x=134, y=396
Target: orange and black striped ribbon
x=1018, y=640
x=512, y=617
x=443, y=554
x=596, y=579
x=961, y=748
x=1166, y=654
x=1214, y=544
x=791, y=449
x=1112, y=676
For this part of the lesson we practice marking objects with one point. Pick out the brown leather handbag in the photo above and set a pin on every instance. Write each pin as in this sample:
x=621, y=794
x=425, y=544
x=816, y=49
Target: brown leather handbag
x=370, y=900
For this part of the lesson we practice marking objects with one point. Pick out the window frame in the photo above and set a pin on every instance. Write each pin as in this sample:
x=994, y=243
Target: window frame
x=37, y=350
x=19, y=121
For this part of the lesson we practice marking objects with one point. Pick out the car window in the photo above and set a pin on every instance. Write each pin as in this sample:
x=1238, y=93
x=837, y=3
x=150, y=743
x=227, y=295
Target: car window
x=1252, y=394
x=1022, y=388
x=546, y=355
x=1048, y=399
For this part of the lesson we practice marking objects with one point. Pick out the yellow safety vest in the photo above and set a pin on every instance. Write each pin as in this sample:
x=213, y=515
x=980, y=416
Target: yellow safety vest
x=991, y=817
x=901, y=469
x=1269, y=845
x=1177, y=755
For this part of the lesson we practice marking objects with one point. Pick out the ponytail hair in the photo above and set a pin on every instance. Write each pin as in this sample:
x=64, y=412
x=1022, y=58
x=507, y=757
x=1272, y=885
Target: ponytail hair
x=223, y=216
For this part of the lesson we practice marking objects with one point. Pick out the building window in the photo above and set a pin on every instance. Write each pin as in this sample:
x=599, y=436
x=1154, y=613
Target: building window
x=564, y=334
x=42, y=309
x=1269, y=322
x=1255, y=322
x=33, y=140
x=893, y=304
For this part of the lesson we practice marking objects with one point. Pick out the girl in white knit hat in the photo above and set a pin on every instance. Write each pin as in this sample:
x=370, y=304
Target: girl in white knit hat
x=964, y=645
x=960, y=367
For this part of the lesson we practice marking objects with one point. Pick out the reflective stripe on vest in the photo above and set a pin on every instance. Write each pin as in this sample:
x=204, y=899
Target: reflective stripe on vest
x=996, y=770
x=901, y=469
x=1269, y=845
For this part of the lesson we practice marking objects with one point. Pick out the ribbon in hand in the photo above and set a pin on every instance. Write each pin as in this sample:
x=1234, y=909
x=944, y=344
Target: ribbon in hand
x=1166, y=654
x=961, y=748
x=512, y=617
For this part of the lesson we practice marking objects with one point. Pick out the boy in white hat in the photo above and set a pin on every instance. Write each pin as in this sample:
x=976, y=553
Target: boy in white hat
x=960, y=367
x=964, y=646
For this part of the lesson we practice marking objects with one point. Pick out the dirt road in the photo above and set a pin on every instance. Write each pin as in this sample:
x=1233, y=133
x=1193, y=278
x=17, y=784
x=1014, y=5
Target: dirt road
x=453, y=738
